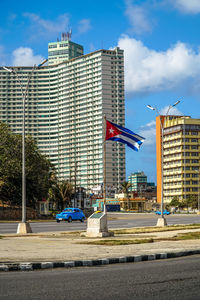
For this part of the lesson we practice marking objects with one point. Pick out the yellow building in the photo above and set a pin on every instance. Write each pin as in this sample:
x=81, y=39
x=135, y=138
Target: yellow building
x=181, y=157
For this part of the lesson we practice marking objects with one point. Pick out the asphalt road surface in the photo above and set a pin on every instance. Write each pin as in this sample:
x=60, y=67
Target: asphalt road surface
x=114, y=221
x=165, y=279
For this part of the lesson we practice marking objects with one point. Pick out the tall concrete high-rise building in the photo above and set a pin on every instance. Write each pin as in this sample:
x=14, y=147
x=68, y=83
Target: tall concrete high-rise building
x=65, y=106
x=181, y=157
x=63, y=50
x=138, y=181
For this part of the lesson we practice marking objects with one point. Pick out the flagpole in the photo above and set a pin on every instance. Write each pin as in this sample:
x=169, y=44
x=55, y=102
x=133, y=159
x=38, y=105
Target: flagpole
x=104, y=167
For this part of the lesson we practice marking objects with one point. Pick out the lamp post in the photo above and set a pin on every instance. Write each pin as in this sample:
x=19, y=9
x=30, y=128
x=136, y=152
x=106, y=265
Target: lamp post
x=24, y=227
x=198, y=195
x=198, y=203
x=162, y=221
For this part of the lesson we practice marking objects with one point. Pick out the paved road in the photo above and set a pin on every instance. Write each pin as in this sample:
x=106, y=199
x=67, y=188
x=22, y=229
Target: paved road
x=114, y=221
x=164, y=279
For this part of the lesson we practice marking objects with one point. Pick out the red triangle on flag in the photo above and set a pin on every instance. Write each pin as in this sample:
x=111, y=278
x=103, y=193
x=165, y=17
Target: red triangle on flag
x=111, y=130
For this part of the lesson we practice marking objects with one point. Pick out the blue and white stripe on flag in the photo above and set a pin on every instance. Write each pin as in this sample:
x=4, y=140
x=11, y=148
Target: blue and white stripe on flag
x=123, y=135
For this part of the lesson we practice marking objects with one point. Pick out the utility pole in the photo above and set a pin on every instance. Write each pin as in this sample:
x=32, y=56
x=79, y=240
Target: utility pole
x=75, y=174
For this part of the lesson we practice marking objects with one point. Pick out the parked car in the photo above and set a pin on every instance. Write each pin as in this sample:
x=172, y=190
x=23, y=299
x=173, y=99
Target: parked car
x=165, y=212
x=71, y=214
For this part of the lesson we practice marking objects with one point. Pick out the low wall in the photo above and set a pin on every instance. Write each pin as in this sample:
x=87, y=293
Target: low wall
x=15, y=214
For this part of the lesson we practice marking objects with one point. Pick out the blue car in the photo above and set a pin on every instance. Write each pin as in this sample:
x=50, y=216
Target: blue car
x=71, y=214
x=165, y=212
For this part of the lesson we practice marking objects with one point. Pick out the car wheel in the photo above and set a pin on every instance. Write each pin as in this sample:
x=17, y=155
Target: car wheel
x=69, y=220
x=58, y=221
x=82, y=219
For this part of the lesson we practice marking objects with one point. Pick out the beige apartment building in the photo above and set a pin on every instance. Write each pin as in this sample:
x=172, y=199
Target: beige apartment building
x=181, y=157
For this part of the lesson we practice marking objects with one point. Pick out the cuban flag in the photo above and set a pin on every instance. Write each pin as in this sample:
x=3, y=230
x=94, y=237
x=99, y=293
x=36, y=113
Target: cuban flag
x=123, y=135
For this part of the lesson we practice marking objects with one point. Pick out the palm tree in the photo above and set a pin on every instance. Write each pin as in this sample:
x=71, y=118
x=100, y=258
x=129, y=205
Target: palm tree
x=64, y=192
x=61, y=192
x=125, y=189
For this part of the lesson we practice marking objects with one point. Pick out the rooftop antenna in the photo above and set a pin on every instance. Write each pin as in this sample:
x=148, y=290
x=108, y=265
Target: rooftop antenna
x=69, y=35
x=64, y=36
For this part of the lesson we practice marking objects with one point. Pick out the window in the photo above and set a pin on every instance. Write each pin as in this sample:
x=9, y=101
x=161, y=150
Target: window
x=186, y=175
x=195, y=175
x=186, y=168
x=195, y=154
x=187, y=161
x=52, y=46
x=195, y=168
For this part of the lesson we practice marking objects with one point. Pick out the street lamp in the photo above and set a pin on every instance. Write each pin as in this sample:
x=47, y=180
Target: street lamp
x=198, y=195
x=162, y=221
x=198, y=174
x=24, y=227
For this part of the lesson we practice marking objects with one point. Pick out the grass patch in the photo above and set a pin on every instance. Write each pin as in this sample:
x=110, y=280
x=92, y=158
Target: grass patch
x=45, y=235
x=117, y=242
x=186, y=236
x=155, y=229
x=70, y=233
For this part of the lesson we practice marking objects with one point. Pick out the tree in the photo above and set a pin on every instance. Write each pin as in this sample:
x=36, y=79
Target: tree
x=61, y=192
x=125, y=189
x=192, y=201
x=38, y=169
x=174, y=202
x=52, y=188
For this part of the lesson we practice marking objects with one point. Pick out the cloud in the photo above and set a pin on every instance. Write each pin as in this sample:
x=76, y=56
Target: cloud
x=25, y=57
x=84, y=25
x=137, y=16
x=147, y=70
x=187, y=6
x=148, y=131
x=43, y=26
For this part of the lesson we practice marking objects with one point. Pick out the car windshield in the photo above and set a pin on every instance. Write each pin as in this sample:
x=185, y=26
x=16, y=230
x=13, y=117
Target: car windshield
x=67, y=209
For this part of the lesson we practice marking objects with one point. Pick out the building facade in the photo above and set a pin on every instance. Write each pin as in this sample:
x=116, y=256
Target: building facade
x=181, y=157
x=138, y=181
x=63, y=50
x=65, y=106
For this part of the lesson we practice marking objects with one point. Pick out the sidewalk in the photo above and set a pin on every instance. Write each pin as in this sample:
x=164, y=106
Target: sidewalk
x=65, y=247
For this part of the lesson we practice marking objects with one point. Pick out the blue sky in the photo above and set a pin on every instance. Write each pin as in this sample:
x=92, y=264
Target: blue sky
x=161, y=43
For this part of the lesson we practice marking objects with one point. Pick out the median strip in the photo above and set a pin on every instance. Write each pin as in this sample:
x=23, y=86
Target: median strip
x=96, y=262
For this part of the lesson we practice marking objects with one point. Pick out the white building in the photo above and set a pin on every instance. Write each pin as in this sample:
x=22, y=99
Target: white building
x=64, y=113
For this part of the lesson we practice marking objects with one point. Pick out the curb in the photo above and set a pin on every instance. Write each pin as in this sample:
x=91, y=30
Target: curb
x=26, y=266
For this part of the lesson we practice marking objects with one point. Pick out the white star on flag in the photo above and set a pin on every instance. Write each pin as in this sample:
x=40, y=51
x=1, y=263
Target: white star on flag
x=111, y=130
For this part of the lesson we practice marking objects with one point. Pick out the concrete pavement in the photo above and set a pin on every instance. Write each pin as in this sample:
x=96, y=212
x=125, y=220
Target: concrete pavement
x=59, y=248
